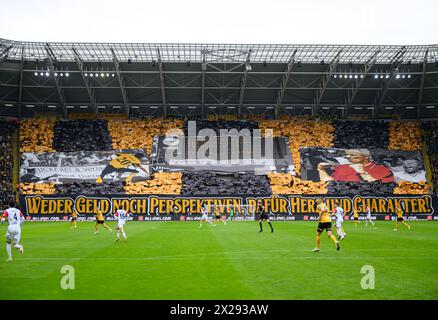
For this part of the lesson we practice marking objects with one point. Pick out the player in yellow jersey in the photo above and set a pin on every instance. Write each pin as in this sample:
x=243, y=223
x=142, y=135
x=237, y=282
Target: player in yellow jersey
x=400, y=218
x=355, y=217
x=100, y=220
x=325, y=222
x=217, y=217
x=121, y=163
x=74, y=217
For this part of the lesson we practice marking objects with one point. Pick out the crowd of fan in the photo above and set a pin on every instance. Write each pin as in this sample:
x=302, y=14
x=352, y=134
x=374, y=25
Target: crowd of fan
x=361, y=188
x=282, y=183
x=49, y=135
x=37, y=135
x=431, y=136
x=90, y=188
x=7, y=189
x=407, y=136
x=161, y=183
x=208, y=183
x=37, y=188
x=79, y=135
x=361, y=134
x=301, y=133
x=139, y=134
x=404, y=136
x=343, y=135
x=216, y=126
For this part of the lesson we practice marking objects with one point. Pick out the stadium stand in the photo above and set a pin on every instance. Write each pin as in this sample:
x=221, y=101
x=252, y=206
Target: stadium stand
x=138, y=134
x=37, y=188
x=407, y=136
x=287, y=184
x=368, y=188
x=45, y=135
x=431, y=138
x=162, y=183
x=36, y=135
x=361, y=134
x=206, y=183
x=301, y=133
x=405, y=187
x=222, y=125
x=7, y=189
x=79, y=135
x=226, y=117
x=404, y=136
x=116, y=187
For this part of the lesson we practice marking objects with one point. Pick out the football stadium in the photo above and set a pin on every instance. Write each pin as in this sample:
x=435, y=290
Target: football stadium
x=208, y=171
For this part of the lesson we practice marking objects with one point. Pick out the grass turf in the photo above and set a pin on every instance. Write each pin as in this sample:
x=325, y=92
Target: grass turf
x=177, y=260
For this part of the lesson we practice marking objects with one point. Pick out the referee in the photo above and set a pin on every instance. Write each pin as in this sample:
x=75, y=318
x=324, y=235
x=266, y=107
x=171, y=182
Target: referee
x=263, y=216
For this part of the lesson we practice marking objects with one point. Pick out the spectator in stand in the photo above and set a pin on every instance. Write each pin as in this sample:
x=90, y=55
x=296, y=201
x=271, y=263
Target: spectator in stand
x=7, y=191
x=430, y=129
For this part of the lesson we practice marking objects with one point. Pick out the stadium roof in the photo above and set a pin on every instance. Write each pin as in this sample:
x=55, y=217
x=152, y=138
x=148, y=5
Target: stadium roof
x=199, y=79
x=178, y=52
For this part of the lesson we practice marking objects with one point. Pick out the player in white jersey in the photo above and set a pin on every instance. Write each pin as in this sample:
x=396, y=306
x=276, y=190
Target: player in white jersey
x=15, y=219
x=204, y=216
x=368, y=217
x=121, y=216
x=339, y=214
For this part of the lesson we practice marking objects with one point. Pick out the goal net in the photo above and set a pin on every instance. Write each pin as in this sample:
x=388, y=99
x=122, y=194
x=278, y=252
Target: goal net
x=237, y=212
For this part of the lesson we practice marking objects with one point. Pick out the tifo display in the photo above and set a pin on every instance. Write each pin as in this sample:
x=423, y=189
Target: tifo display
x=143, y=157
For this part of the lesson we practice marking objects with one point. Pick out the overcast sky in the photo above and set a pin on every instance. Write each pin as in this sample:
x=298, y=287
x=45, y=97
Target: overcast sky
x=222, y=21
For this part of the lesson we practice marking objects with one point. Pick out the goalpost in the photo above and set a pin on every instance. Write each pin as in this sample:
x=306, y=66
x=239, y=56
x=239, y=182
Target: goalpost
x=239, y=212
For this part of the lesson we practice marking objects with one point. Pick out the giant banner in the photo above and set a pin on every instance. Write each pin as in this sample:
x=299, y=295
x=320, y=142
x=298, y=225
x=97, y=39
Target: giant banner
x=362, y=165
x=281, y=207
x=87, y=166
x=228, y=153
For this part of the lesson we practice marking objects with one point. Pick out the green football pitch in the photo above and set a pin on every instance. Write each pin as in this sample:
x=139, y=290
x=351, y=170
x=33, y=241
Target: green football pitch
x=178, y=260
